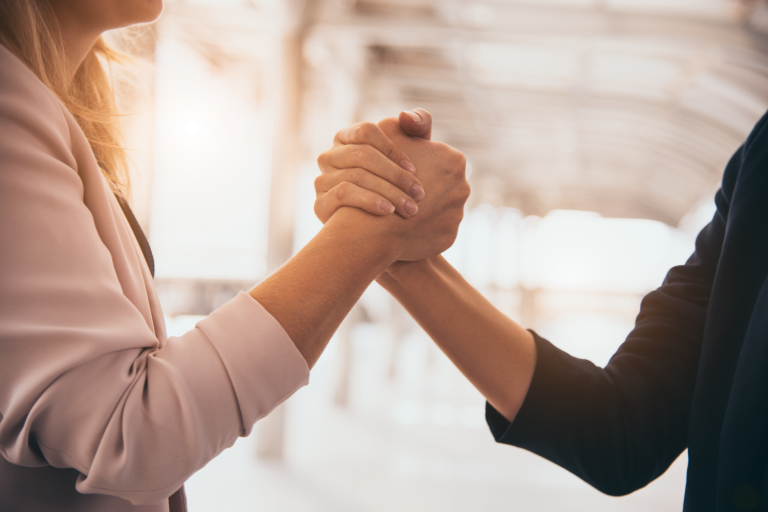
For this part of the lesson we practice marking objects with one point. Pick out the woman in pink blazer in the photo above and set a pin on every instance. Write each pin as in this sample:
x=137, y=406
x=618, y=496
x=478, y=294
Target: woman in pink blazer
x=99, y=409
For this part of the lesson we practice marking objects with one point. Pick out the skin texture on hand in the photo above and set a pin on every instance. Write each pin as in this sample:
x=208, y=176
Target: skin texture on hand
x=439, y=169
x=496, y=354
x=363, y=176
x=312, y=293
x=442, y=170
x=365, y=169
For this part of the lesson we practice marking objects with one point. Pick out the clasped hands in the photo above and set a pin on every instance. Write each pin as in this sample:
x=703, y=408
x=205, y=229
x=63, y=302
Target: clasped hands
x=393, y=166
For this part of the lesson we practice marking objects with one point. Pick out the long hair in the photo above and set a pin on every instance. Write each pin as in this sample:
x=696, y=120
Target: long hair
x=29, y=29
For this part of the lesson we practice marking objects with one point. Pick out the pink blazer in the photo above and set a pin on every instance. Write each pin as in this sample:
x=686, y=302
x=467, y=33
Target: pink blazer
x=99, y=410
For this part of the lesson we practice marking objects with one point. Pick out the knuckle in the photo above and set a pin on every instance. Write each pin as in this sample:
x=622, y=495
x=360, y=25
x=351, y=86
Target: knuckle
x=389, y=125
x=357, y=153
x=355, y=175
x=321, y=209
x=458, y=159
x=365, y=131
x=440, y=147
x=341, y=191
x=389, y=150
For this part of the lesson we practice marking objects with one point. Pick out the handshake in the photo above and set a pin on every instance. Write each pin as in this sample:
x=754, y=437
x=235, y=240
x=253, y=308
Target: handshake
x=393, y=166
x=391, y=201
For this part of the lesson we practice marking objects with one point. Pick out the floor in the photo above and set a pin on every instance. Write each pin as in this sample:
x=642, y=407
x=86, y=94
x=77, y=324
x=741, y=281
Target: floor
x=410, y=437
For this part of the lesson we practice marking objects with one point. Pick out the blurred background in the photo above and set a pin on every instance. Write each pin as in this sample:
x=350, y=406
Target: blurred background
x=596, y=133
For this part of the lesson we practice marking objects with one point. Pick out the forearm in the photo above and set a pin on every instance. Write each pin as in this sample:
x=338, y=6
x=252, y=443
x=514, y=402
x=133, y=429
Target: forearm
x=497, y=355
x=312, y=293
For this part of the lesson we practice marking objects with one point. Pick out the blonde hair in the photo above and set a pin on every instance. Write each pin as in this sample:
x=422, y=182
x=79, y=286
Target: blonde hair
x=29, y=29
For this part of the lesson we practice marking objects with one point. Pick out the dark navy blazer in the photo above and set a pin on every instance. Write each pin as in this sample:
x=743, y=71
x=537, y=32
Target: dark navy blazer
x=692, y=374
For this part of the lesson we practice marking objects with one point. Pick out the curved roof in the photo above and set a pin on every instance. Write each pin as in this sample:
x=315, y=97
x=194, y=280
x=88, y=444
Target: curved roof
x=623, y=107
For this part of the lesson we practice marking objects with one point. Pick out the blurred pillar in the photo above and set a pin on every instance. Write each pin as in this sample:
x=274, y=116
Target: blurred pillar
x=528, y=307
x=285, y=149
x=396, y=330
x=137, y=95
x=344, y=340
x=270, y=434
x=343, y=376
x=285, y=95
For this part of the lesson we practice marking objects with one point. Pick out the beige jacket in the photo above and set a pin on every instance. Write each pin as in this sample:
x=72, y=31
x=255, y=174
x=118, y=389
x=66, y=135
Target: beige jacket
x=99, y=410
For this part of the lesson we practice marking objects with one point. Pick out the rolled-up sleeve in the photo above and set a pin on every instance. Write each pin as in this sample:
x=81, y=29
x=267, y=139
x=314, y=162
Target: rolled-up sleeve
x=264, y=372
x=87, y=380
x=190, y=401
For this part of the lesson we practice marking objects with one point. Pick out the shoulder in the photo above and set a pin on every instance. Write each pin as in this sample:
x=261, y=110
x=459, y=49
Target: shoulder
x=30, y=114
x=758, y=135
x=37, y=163
x=753, y=154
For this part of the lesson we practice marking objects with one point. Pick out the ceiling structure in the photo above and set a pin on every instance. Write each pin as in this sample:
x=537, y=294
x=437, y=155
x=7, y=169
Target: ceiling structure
x=624, y=107
x=630, y=108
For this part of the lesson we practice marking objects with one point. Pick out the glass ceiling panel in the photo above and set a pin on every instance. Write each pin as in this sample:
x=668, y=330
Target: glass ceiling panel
x=632, y=75
x=722, y=91
x=529, y=66
x=557, y=3
x=722, y=9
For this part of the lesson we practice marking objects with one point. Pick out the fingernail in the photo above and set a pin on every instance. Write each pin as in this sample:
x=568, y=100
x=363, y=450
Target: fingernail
x=414, y=115
x=408, y=166
x=417, y=192
x=386, y=206
x=410, y=208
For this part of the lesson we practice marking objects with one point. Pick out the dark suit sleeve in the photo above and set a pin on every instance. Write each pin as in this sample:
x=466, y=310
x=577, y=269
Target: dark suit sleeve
x=620, y=427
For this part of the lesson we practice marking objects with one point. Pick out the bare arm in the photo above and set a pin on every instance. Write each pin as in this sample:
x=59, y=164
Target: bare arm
x=492, y=351
x=312, y=293
x=88, y=379
x=617, y=427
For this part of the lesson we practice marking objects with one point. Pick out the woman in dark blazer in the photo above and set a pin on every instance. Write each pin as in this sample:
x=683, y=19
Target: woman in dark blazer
x=692, y=374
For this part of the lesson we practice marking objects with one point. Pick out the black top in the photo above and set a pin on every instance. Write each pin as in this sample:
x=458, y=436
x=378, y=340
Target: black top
x=138, y=233
x=692, y=374
x=178, y=500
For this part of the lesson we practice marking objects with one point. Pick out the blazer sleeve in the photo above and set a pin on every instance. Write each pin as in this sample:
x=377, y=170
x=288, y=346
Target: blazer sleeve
x=85, y=382
x=621, y=427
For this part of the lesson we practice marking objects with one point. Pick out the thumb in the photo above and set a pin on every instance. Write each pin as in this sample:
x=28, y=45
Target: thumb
x=417, y=123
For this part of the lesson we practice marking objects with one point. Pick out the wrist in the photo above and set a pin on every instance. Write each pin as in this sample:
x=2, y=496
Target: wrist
x=402, y=272
x=363, y=230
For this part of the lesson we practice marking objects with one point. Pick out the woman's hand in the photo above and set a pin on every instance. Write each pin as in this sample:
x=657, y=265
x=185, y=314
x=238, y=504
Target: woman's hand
x=365, y=169
x=328, y=276
x=441, y=169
